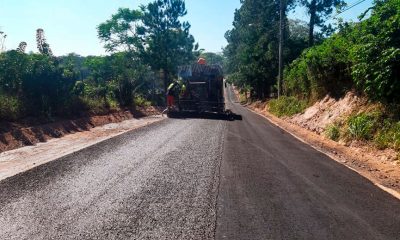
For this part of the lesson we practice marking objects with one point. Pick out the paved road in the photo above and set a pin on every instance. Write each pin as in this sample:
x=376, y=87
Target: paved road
x=197, y=179
x=275, y=187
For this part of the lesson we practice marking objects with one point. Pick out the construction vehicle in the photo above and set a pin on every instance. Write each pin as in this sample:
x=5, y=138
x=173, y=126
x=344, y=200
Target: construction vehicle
x=204, y=90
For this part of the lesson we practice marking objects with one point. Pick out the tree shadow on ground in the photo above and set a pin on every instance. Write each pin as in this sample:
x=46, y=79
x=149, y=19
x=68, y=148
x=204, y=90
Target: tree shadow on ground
x=229, y=116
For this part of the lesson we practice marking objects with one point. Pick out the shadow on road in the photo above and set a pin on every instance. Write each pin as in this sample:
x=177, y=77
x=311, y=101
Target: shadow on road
x=207, y=115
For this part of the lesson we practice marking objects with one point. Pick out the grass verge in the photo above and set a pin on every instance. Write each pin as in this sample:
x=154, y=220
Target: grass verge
x=286, y=106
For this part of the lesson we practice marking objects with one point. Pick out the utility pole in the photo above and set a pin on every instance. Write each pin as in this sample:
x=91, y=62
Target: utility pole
x=281, y=30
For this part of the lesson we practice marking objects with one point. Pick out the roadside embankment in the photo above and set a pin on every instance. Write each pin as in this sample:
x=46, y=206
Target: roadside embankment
x=31, y=131
x=381, y=166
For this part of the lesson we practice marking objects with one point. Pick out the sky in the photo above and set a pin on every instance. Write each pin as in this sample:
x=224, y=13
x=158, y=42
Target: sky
x=70, y=25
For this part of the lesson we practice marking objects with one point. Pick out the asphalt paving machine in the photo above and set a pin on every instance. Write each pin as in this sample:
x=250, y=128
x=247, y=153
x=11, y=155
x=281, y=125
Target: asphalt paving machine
x=204, y=91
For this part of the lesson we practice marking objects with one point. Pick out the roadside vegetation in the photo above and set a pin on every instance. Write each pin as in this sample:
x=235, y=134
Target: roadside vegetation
x=362, y=57
x=144, y=53
x=286, y=106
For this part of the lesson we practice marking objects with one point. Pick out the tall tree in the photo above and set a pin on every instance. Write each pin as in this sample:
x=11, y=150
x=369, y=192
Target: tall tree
x=319, y=10
x=3, y=37
x=22, y=47
x=154, y=34
x=252, y=50
x=166, y=41
x=119, y=32
x=42, y=45
x=252, y=46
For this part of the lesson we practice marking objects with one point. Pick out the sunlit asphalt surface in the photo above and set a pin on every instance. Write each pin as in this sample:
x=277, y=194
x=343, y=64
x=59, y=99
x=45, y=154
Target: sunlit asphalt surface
x=193, y=178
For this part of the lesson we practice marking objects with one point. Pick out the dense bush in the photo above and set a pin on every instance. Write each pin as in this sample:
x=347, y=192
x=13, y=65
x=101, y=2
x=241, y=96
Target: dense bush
x=321, y=70
x=10, y=107
x=365, y=56
x=47, y=86
x=376, y=53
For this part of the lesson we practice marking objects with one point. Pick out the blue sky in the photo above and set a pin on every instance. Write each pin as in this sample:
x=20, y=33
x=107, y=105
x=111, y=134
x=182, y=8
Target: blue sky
x=70, y=25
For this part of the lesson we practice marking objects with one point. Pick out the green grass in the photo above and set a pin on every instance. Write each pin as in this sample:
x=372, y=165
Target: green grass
x=98, y=106
x=286, y=106
x=388, y=136
x=141, y=102
x=361, y=126
x=333, y=132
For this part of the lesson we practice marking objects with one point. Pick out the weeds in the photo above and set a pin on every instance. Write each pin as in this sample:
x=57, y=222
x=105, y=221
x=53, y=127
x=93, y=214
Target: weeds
x=287, y=106
x=332, y=132
x=141, y=102
x=389, y=136
x=361, y=126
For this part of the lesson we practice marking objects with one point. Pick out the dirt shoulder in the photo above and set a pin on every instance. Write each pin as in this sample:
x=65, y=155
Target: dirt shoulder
x=29, y=132
x=370, y=163
x=22, y=159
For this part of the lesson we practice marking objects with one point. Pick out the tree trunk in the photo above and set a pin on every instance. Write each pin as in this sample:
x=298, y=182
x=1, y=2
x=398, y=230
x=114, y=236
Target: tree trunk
x=166, y=80
x=313, y=12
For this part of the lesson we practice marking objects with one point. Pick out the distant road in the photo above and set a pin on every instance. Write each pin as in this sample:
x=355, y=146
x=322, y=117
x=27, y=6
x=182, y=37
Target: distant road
x=197, y=179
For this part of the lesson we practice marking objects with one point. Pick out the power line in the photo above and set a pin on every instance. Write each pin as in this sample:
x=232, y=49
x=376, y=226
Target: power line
x=351, y=6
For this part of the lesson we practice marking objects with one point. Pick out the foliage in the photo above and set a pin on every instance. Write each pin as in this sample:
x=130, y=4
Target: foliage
x=10, y=107
x=361, y=126
x=376, y=53
x=119, y=32
x=388, y=136
x=323, y=69
x=42, y=85
x=154, y=34
x=252, y=50
x=318, y=12
x=286, y=106
x=142, y=43
x=363, y=56
x=141, y=101
x=332, y=132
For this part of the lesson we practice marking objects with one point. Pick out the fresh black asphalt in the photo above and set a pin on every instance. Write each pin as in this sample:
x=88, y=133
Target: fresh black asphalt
x=195, y=178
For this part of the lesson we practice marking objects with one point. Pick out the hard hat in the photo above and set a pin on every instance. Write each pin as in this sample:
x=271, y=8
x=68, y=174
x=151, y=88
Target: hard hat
x=201, y=61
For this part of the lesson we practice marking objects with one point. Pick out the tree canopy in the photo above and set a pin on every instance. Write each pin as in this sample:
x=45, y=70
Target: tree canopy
x=154, y=33
x=252, y=51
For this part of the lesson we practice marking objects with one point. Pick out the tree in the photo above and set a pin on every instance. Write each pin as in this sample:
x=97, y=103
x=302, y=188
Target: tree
x=42, y=45
x=319, y=10
x=119, y=32
x=297, y=39
x=3, y=37
x=252, y=50
x=166, y=41
x=252, y=46
x=13, y=69
x=154, y=34
x=22, y=47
